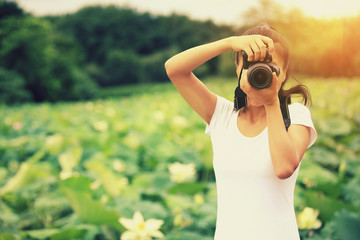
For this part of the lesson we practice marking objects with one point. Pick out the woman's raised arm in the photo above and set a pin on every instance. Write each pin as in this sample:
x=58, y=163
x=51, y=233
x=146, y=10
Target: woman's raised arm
x=180, y=69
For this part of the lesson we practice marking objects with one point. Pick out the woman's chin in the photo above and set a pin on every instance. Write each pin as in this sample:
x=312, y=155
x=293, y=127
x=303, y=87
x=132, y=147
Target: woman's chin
x=254, y=103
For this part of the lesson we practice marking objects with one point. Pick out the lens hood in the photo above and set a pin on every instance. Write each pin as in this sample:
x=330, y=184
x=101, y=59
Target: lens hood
x=260, y=75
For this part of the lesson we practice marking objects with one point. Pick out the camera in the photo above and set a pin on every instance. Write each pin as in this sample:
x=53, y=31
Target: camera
x=260, y=72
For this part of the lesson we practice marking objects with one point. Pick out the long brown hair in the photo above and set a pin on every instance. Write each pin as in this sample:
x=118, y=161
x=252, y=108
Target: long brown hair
x=282, y=49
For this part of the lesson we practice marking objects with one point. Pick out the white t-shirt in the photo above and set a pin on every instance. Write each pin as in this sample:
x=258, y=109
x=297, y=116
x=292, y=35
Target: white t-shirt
x=253, y=203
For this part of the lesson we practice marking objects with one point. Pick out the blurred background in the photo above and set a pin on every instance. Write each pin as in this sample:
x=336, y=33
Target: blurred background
x=92, y=130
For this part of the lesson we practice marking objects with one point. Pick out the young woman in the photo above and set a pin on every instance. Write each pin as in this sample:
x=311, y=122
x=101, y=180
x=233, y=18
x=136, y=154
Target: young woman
x=256, y=158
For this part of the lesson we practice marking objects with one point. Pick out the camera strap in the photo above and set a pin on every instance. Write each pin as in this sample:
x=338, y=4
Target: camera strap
x=240, y=101
x=284, y=106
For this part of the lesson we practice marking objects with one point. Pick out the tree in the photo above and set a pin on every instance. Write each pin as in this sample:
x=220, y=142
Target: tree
x=122, y=67
x=100, y=30
x=8, y=9
x=105, y=34
x=28, y=48
x=12, y=88
x=24, y=49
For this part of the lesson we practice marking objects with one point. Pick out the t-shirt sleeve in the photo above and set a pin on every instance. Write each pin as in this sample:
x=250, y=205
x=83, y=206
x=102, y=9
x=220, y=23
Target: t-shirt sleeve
x=221, y=113
x=300, y=114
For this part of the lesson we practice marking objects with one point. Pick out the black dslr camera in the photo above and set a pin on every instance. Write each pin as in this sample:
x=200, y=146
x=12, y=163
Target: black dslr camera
x=260, y=72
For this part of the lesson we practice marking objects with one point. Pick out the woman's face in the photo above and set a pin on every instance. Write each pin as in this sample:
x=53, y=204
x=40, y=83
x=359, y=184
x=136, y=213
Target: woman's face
x=276, y=59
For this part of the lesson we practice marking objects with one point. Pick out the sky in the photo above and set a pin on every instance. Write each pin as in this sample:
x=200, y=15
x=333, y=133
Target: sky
x=220, y=11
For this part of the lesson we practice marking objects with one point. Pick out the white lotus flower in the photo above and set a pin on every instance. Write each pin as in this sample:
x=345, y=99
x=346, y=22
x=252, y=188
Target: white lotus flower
x=68, y=160
x=307, y=219
x=101, y=126
x=118, y=165
x=182, y=172
x=110, y=112
x=138, y=229
x=54, y=143
x=199, y=199
x=132, y=140
x=159, y=116
x=179, y=122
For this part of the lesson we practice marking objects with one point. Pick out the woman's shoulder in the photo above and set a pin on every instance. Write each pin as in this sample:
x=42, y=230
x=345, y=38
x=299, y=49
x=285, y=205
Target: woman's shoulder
x=298, y=108
x=301, y=115
x=222, y=114
x=224, y=104
x=223, y=99
x=297, y=105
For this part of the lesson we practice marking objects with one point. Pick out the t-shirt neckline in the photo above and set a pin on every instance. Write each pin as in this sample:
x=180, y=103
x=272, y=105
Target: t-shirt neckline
x=242, y=135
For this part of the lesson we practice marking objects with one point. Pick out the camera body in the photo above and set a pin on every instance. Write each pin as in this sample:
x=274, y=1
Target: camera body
x=260, y=72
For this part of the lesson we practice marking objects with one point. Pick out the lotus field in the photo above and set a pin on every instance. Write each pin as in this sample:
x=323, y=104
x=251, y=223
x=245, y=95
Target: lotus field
x=140, y=167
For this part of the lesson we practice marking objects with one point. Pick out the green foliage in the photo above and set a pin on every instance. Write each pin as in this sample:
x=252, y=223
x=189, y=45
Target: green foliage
x=121, y=67
x=55, y=234
x=123, y=46
x=83, y=87
x=12, y=87
x=28, y=49
x=345, y=225
x=8, y=9
x=89, y=210
x=70, y=170
x=23, y=50
x=153, y=65
x=186, y=235
x=69, y=82
x=68, y=57
x=351, y=192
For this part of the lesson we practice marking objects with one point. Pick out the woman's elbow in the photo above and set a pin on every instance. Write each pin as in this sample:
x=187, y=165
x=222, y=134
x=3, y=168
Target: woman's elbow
x=285, y=172
x=174, y=71
x=169, y=68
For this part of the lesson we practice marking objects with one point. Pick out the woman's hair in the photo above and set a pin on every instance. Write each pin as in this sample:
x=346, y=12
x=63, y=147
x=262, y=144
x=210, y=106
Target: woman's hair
x=282, y=49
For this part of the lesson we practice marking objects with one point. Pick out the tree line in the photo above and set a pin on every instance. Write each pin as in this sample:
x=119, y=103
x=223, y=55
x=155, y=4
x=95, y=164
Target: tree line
x=72, y=56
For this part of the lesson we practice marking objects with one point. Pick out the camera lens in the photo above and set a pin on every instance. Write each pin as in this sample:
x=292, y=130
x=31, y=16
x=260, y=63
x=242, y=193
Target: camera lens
x=260, y=76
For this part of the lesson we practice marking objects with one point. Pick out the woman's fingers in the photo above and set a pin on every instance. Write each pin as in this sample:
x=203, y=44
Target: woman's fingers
x=255, y=46
x=269, y=43
x=257, y=52
x=262, y=48
x=253, y=52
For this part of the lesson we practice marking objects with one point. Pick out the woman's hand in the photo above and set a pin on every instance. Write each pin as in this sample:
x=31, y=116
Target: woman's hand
x=267, y=96
x=254, y=46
